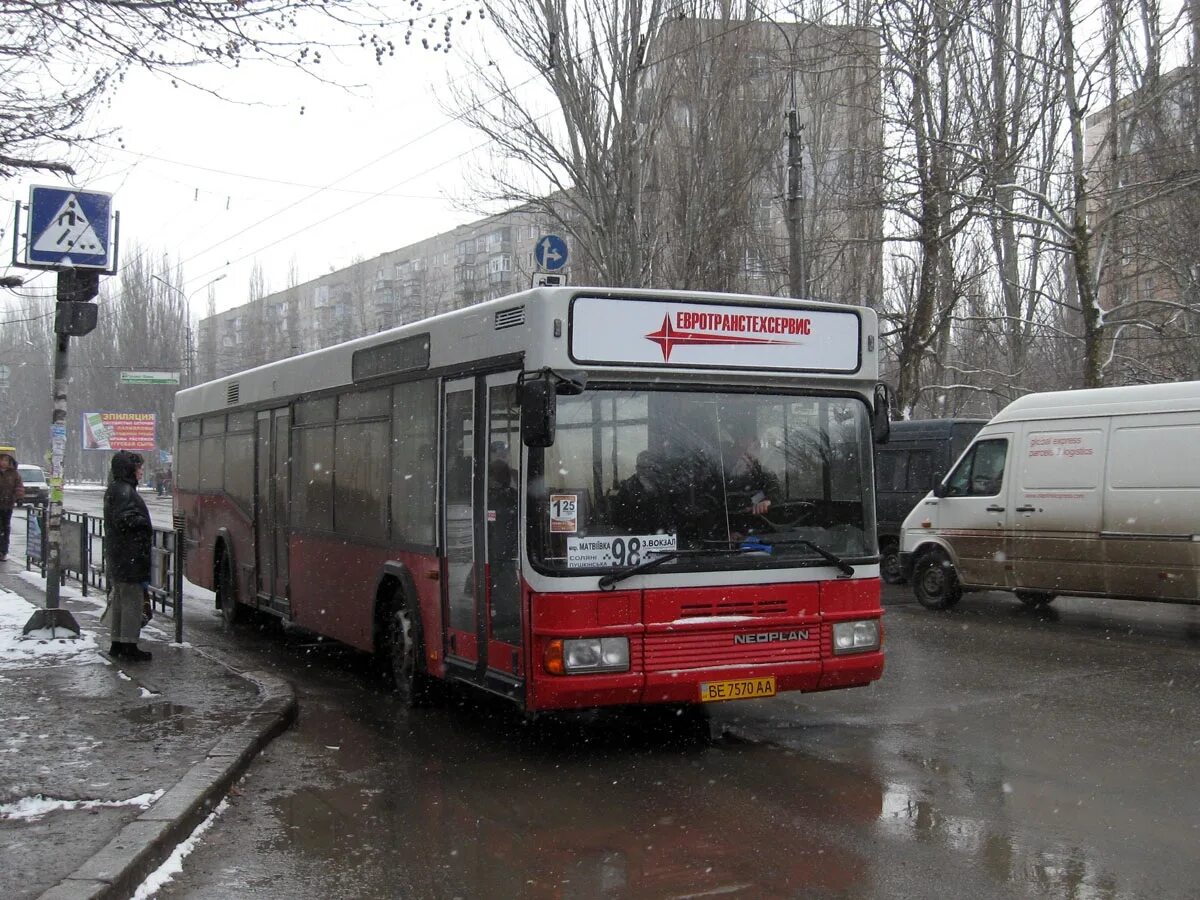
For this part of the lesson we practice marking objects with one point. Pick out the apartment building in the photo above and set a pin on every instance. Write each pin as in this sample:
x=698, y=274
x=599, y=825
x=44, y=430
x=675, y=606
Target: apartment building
x=1144, y=209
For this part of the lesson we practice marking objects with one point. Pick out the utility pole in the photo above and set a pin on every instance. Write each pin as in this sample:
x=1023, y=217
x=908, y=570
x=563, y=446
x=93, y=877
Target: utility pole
x=75, y=314
x=68, y=232
x=797, y=275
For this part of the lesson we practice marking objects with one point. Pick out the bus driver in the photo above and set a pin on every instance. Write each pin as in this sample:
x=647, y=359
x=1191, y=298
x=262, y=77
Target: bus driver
x=746, y=476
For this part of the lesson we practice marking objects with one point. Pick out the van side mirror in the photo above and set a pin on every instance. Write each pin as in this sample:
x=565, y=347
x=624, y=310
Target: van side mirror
x=881, y=424
x=940, y=489
x=538, y=408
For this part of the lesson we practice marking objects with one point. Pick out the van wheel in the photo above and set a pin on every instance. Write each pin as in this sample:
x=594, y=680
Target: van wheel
x=1035, y=599
x=231, y=611
x=935, y=582
x=404, y=654
x=889, y=562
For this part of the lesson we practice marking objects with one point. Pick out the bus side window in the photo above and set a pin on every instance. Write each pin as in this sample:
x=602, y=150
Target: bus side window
x=414, y=463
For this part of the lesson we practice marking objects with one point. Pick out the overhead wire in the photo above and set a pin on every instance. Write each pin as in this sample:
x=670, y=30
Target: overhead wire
x=446, y=161
x=458, y=117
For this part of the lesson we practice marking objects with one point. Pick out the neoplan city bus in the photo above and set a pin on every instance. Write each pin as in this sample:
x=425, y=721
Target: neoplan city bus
x=570, y=497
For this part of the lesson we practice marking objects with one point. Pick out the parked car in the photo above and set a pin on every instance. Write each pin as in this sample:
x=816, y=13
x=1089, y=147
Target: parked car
x=1089, y=493
x=37, y=491
x=916, y=457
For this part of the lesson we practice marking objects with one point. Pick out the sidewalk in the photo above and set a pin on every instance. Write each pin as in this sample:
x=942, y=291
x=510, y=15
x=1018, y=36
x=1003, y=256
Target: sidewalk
x=106, y=766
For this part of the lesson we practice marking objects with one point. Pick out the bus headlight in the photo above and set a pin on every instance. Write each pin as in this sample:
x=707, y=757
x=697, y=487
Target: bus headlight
x=581, y=655
x=854, y=637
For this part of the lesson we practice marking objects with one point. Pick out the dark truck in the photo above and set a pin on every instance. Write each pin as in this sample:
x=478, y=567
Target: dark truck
x=917, y=456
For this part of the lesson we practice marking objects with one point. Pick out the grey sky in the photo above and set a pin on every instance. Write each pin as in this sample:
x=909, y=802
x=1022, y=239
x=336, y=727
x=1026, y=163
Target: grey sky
x=296, y=171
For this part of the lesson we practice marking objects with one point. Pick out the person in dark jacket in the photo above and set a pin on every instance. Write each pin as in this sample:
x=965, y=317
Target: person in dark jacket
x=12, y=492
x=128, y=535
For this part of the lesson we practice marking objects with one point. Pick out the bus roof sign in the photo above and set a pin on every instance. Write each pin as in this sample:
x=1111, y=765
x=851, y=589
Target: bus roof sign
x=709, y=335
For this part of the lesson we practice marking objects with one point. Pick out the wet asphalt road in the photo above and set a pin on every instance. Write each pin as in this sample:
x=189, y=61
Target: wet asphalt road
x=1005, y=753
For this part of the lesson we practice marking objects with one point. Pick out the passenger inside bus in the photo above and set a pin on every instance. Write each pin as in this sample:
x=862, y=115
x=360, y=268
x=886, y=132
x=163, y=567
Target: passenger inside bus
x=502, y=553
x=641, y=504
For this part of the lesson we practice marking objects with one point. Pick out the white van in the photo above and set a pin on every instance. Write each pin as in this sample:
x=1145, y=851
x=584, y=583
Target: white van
x=1091, y=493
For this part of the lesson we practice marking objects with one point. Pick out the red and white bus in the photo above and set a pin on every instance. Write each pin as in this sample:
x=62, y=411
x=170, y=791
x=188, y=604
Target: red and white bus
x=571, y=497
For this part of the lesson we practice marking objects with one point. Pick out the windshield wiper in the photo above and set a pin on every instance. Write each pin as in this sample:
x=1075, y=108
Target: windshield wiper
x=607, y=581
x=844, y=567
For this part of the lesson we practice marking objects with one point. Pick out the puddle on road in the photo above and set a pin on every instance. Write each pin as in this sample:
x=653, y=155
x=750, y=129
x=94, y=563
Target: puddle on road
x=571, y=811
x=154, y=713
x=1006, y=855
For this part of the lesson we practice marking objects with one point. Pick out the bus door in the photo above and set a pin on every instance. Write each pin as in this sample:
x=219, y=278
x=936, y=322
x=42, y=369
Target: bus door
x=460, y=596
x=271, y=507
x=501, y=514
x=482, y=597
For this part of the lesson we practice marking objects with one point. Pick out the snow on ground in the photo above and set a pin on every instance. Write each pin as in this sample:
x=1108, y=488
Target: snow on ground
x=33, y=808
x=41, y=647
x=68, y=591
x=174, y=863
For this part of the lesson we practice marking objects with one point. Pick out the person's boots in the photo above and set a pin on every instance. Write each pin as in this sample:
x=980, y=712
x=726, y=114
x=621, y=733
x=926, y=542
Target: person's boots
x=133, y=653
x=117, y=650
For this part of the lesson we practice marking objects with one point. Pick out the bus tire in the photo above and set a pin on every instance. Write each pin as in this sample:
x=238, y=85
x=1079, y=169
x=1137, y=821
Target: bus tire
x=403, y=653
x=1035, y=599
x=934, y=580
x=232, y=612
x=889, y=562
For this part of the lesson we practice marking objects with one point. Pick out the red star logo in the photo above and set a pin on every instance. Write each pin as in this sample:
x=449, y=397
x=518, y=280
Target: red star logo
x=669, y=338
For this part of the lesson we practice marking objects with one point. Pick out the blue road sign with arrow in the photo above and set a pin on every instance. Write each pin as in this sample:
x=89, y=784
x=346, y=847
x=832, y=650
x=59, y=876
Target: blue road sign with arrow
x=550, y=252
x=69, y=228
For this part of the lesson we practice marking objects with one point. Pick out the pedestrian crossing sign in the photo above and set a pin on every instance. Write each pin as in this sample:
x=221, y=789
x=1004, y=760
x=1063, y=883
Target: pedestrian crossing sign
x=69, y=228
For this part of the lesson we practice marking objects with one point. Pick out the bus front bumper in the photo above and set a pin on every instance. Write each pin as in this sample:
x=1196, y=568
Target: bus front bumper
x=691, y=685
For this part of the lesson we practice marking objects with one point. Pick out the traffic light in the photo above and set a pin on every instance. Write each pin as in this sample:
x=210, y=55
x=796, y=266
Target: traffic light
x=75, y=314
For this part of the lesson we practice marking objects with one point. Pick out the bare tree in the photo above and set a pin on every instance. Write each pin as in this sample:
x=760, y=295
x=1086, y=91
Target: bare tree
x=580, y=165
x=932, y=181
x=253, y=351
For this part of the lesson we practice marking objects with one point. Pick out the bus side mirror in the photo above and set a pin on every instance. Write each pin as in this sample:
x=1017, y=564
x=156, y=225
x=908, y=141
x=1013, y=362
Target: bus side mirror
x=881, y=424
x=537, y=411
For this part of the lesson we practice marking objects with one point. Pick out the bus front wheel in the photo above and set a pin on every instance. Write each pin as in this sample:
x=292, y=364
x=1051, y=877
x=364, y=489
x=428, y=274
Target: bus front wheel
x=935, y=582
x=231, y=611
x=404, y=651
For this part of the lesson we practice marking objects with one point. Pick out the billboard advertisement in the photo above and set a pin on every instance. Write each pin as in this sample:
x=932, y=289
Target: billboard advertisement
x=119, y=431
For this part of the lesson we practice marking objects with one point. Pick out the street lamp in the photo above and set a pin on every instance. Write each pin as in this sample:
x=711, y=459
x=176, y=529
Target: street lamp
x=187, y=311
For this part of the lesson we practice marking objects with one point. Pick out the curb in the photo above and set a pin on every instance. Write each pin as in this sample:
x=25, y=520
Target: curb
x=116, y=870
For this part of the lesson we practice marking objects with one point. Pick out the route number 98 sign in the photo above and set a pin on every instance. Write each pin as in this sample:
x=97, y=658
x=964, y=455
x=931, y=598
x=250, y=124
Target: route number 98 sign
x=619, y=551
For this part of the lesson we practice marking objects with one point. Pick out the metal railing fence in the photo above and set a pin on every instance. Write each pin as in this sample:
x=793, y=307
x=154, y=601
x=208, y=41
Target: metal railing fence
x=81, y=557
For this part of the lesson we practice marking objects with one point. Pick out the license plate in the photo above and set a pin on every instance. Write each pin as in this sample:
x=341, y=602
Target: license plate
x=742, y=689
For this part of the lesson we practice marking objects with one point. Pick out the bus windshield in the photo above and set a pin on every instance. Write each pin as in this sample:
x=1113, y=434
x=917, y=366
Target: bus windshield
x=638, y=473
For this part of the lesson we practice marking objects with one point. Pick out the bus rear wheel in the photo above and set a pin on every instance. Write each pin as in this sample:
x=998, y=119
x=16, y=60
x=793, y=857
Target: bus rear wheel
x=935, y=582
x=404, y=652
x=231, y=611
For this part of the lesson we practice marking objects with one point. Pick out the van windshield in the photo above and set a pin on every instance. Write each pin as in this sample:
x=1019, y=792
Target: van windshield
x=638, y=473
x=32, y=474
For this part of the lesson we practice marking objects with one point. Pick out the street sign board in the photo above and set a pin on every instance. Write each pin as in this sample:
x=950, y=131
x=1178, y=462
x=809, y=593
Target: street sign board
x=149, y=378
x=550, y=252
x=548, y=279
x=69, y=228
